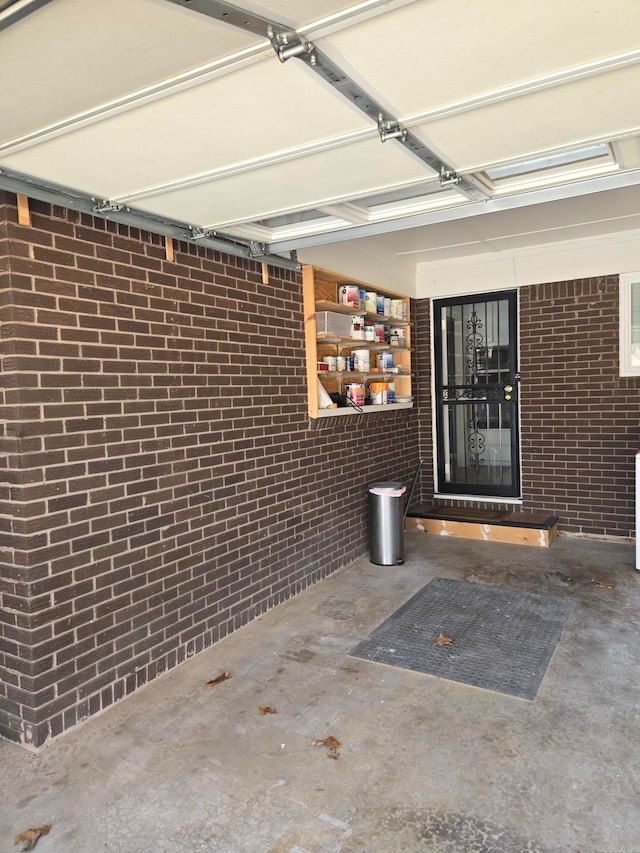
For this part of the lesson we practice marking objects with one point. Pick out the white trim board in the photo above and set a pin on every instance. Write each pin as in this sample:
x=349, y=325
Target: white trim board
x=534, y=265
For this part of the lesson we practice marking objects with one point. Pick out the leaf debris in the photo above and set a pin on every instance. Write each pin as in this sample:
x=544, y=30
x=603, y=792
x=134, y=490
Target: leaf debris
x=332, y=744
x=29, y=837
x=222, y=677
x=441, y=640
x=266, y=709
x=602, y=585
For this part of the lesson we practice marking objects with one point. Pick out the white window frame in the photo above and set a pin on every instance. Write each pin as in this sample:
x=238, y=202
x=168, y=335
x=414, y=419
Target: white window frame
x=628, y=366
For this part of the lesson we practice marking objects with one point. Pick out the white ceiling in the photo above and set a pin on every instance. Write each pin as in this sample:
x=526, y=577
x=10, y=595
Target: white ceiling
x=160, y=107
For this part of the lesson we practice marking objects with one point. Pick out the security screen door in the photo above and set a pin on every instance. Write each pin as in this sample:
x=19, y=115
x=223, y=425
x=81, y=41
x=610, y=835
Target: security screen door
x=477, y=395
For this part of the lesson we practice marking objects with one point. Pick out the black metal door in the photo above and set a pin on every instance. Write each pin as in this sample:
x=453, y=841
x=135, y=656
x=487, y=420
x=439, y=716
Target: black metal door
x=477, y=378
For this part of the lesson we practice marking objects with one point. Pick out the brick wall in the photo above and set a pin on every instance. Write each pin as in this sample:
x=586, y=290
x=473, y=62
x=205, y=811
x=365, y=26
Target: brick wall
x=580, y=418
x=164, y=484
x=422, y=315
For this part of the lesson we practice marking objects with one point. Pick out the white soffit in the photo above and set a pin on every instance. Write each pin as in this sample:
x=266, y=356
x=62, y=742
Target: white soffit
x=435, y=53
x=71, y=56
x=574, y=218
x=473, y=247
x=212, y=126
x=317, y=179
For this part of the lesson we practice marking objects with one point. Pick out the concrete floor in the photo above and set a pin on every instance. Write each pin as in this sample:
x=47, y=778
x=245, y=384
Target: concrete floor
x=425, y=764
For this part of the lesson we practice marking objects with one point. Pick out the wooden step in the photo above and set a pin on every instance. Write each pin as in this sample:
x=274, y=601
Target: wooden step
x=517, y=528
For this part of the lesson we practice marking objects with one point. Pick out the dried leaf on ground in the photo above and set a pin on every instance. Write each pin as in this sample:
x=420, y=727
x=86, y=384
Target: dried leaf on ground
x=222, y=677
x=441, y=640
x=332, y=744
x=601, y=585
x=29, y=837
x=266, y=709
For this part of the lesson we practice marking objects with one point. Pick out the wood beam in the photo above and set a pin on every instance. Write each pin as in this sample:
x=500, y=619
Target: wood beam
x=24, y=214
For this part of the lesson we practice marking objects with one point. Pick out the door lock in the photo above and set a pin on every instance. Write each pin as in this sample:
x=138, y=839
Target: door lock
x=508, y=389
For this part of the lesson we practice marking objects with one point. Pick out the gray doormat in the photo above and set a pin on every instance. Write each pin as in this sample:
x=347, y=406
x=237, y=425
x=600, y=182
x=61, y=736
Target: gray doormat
x=503, y=638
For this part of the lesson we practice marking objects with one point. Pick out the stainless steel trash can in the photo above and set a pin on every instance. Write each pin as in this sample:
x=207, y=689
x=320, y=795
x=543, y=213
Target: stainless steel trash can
x=385, y=504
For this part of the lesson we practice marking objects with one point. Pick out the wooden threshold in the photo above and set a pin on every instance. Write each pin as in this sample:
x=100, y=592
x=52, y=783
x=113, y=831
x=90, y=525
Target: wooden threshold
x=538, y=529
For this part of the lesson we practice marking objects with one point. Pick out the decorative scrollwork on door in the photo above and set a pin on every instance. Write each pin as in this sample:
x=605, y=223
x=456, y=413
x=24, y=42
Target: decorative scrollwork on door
x=473, y=393
x=475, y=443
x=474, y=340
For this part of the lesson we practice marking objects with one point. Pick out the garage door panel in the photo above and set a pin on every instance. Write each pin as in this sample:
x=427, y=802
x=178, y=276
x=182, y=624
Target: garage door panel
x=345, y=172
x=505, y=130
x=70, y=56
x=436, y=52
x=204, y=128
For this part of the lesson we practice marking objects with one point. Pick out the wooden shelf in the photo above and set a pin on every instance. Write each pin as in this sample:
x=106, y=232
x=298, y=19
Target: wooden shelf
x=352, y=343
x=320, y=289
x=383, y=376
x=349, y=410
x=338, y=308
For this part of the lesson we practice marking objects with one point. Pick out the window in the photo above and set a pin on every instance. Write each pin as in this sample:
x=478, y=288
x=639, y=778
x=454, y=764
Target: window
x=630, y=324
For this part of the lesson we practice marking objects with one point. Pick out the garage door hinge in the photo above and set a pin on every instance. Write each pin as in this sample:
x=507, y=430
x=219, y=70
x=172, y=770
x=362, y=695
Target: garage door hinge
x=390, y=129
x=448, y=177
x=288, y=43
x=256, y=249
x=107, y=206
x=201, y=233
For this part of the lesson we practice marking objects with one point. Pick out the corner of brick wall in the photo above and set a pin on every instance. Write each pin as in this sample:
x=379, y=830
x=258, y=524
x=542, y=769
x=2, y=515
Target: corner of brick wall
x=422, y=314
x=165, y=483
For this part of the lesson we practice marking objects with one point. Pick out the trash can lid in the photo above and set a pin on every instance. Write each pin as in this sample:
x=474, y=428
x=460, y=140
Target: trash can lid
x=388, y=487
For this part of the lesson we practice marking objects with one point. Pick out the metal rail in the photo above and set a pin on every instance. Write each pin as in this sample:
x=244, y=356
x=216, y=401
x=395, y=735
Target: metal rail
x=289, y=44
x=21, y=184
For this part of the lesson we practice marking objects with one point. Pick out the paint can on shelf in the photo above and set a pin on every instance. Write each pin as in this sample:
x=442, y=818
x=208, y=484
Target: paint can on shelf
x=355, y=392
x=378, y=393
x=385, y=361
x=362, y=360
x=370, y=300
x=349, y=294
x=399, y=309
x=331, y=362
x=357, y=327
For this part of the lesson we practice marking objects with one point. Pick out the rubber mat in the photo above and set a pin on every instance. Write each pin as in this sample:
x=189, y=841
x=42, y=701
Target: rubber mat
x=503, y=638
